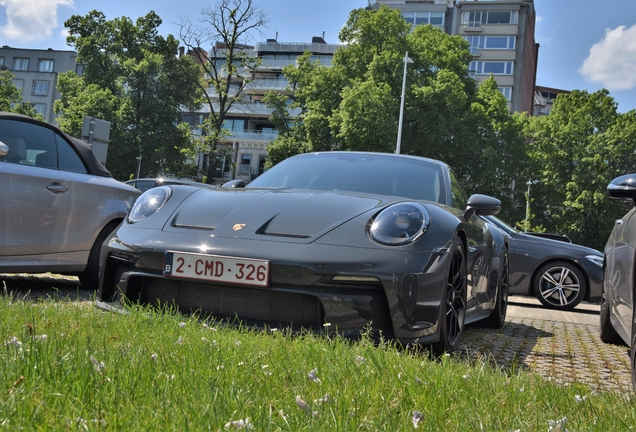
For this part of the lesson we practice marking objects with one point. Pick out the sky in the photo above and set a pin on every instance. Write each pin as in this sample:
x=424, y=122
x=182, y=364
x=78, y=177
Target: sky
x=583, y=44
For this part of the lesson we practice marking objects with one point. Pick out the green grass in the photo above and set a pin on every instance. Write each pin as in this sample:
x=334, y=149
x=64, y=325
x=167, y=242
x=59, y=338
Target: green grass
x=146, y=370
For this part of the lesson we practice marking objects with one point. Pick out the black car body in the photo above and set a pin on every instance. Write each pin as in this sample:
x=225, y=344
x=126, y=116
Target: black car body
x=559, y=273
x=617, y=319
x=346, y=240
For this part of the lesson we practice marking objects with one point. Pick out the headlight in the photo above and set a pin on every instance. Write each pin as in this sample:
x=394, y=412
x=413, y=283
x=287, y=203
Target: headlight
x=400, y=224
x=598, y=260
x=149, y=202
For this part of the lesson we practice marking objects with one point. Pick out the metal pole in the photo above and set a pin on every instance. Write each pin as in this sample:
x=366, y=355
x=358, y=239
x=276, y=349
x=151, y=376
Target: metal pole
x=138, y=165
x=527, y=226
x=407, y=60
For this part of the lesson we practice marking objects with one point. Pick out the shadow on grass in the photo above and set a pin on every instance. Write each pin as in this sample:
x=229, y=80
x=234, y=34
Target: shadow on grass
x=47, y=286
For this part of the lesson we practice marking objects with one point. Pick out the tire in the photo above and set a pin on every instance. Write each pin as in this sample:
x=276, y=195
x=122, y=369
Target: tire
x=608, y=333
x=632, y=351
x=453, y=305
x=498, y=316
x=560, y=285
x=89, y=278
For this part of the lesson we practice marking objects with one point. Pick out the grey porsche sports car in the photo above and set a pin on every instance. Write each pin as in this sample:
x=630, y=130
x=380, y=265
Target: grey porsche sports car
x=559, y=273
x=57, y=201
x=617, y=319
x=347, y=240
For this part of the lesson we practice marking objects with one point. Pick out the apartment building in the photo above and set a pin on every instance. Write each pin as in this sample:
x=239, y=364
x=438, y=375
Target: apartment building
x=248, y=124
x=501, y=37
x=36, y=74
x=544, y=98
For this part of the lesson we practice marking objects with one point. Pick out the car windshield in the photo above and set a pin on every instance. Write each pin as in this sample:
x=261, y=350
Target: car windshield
x=418, y=179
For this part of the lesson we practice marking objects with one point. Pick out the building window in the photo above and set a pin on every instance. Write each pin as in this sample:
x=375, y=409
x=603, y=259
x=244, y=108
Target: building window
x=421, y=18
x=507, y=92
x=40, y=108
x=1, y=61
x=79, y=69
x=20, y=64
x=246, y=164
x=492, y=67
x=491, y=42
x=40, y=88
x=19, y=84
x=478, y=18
x=45, y=66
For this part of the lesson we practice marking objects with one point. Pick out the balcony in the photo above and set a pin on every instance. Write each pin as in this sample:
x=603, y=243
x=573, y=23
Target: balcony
x=299, y=48
x=265, y=84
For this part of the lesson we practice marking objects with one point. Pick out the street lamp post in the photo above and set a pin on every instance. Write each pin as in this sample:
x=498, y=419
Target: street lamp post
x=407, y=60
x=527, y=227
x=138, y=165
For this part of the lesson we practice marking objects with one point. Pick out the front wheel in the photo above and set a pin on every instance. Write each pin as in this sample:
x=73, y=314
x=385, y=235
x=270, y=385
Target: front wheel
x=453, y=305
x=560, y=285
x=498, y=316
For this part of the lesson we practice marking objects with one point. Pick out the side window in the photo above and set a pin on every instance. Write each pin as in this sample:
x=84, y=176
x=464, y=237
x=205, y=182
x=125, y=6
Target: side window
x=69, y=160
x=29, y=144
x=460, y=200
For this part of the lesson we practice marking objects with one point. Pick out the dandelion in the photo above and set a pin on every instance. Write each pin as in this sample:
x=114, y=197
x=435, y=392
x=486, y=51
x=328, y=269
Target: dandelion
x=360, y=359
x=558, y=425
x=580, y=398
x=417, y=416
x=182, y=325
x=239, y=424
x=313, y=376
x=14, y=341
x=99, y=366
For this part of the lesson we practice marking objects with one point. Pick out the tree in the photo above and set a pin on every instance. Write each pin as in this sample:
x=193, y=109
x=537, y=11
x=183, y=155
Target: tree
x=227, y=28
x=134, y=79
x=576, y=151
x=11, y=97
x=354, y=104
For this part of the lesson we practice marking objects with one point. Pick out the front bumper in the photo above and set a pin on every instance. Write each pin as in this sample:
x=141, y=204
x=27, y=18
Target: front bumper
x=403, y=302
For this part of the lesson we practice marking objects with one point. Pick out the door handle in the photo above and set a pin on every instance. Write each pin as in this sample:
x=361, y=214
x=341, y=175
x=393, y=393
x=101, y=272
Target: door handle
x=57, y=188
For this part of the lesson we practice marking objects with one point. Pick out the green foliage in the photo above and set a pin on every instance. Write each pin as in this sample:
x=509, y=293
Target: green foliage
x=576, y=151
x=133, y=79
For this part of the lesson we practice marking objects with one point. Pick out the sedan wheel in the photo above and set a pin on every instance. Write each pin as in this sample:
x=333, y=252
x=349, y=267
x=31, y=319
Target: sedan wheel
x=560, y=285
x=453, y=307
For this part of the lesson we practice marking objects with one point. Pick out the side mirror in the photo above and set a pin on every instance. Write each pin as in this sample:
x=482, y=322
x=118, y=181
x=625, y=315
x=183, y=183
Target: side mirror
x=481, y=204
x=233, y=184
x=4, y=149
x=623, y=187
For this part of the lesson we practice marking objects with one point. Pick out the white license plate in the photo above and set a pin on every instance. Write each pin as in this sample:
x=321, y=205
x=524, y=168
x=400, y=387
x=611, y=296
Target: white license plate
x=215, y=268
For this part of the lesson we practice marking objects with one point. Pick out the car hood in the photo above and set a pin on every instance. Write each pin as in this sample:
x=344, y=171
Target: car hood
x=288, y=214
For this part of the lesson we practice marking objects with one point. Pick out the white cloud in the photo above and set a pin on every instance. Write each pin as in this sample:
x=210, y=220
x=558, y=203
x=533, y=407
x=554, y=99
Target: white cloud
x=612, y=61
x=31, y=20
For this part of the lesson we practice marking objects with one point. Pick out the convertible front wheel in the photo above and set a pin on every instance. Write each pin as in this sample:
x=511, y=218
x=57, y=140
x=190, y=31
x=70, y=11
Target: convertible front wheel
x=453, y=306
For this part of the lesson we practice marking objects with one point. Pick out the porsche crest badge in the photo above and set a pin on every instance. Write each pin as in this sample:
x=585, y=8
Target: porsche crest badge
x=237, y=227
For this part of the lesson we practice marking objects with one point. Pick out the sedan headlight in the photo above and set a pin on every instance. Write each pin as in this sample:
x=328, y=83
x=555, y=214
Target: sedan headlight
x=149, y=202
x=400, y=224
x=598, y=260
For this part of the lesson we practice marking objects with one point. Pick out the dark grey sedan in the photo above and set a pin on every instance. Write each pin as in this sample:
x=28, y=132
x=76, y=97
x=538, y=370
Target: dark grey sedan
x=559, y=273
x=57, y=201
x=617, y=305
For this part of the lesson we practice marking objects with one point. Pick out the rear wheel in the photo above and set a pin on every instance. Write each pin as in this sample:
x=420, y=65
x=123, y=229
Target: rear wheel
x=560, y=285
x=453, y=304
x=498, y=316
x=89, y=278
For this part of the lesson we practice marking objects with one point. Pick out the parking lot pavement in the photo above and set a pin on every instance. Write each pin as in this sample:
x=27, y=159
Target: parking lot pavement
x=560, y=346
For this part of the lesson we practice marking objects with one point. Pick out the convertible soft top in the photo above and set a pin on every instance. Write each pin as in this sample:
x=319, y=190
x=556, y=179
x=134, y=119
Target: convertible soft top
x=93, y=165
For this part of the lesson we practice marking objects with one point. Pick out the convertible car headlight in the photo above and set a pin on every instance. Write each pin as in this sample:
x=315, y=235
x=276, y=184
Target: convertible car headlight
x=598, y=260
x=400, y=224
x=149, y=202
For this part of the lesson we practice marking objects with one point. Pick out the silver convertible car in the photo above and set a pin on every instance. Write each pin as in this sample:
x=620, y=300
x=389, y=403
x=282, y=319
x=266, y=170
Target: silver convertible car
x=617, y=320
x=57, y=201
x=352, y=241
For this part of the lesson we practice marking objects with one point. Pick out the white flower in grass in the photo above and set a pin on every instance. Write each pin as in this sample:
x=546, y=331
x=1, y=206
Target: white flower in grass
x=580, y=398
x=14, y=341
x=40, y=338
x=313, y=376
x=99, y=366
x=360, y=359
x=466, y=376
x=266, y=370
x=237, y=342
x=239, y=424
x=304, y=406
x=154, y=357
x=220, y=367
x=179, y=341
x=417, y=416
x=558, y=425
x=204, y=339
x=326, y=398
